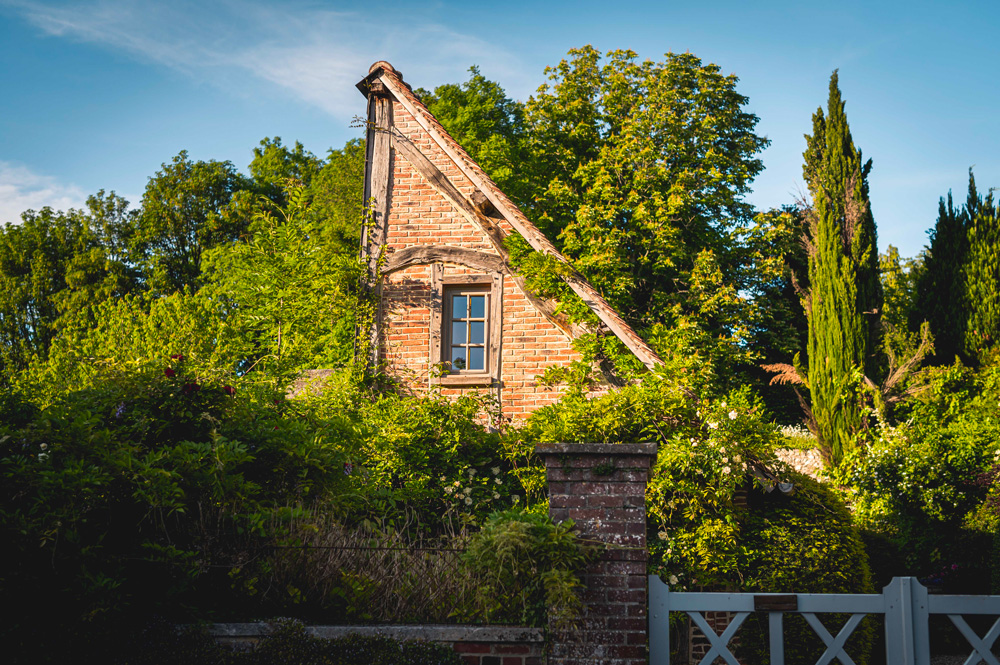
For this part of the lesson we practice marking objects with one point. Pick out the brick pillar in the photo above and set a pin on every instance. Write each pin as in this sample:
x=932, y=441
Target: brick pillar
x=602, y=488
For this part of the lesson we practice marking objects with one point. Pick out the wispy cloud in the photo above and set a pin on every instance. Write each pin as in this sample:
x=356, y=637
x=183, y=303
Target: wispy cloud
x=21, y=189
x=315, y=53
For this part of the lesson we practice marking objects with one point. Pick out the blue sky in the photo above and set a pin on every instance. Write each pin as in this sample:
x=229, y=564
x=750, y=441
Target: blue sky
x=97, y=94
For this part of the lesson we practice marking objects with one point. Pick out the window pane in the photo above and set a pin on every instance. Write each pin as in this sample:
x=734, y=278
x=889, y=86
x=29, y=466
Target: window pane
x=458, y=307
x=477, y=357
x=458, y=357
x=477, y=330
x=458, y=332
x=477, y=307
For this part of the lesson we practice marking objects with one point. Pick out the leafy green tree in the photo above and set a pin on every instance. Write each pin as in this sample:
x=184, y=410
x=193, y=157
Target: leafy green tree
x=288, y=297
x=186, y=210
x=641, y=169
x=899, y=287
x=336, y=195
x=491, y=127
x=333, y=188
x=274, y=164
x=845, y=295
x=54, y=267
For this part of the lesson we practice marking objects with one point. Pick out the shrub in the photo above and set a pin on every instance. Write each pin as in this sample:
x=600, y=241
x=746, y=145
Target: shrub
x=429, y=461
x=527, y=568
x=923, y=486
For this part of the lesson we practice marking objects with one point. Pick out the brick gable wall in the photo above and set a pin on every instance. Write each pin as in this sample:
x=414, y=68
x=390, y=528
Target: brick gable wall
x=419, y=215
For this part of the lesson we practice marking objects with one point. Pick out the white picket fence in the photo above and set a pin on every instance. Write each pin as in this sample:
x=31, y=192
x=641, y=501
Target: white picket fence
x=904, y=602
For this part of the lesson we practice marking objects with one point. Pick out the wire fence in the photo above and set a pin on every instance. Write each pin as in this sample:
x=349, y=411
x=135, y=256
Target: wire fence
x=359, y=576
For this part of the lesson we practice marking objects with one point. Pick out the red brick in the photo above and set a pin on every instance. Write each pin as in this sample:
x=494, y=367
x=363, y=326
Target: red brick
x=472, y=647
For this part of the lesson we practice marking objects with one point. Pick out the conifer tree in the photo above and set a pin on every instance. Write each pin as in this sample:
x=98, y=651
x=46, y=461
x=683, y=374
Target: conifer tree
x=845, y=295
x=957, y=293
x=941, y=289
x=981, y=275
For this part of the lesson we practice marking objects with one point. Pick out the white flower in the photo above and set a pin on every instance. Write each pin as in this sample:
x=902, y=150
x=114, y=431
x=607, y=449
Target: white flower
x=468, y=501
x=443, y=479
x=732, y=415
x=722, y=450
x=713, y=425
x=669, y=551
x=457, y=483
x=726, y=470
x=723, y=405
x=44, y=446
x=496, y=496
x=725, y=460
x=498, y=481
x=468, y=491
x=662, y=535
x=694, y=444
x=449, y=490
x=673, y=579
x=495, y=470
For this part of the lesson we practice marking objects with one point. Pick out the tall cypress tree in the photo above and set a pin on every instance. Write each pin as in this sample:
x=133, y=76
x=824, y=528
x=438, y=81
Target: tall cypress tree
x=845, y=295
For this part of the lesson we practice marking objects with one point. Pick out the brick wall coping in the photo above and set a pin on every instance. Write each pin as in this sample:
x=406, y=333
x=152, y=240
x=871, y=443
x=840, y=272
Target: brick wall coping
x=429, y=633
x=596, y=449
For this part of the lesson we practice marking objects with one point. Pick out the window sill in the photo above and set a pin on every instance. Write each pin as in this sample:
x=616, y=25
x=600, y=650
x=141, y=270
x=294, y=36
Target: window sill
x=463, y=380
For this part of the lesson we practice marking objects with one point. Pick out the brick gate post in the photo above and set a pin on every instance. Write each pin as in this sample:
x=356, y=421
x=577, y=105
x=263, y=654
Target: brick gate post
x=602, y=488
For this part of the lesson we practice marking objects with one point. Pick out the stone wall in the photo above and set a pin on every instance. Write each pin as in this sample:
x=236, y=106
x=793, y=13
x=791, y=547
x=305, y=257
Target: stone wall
x=477, y=645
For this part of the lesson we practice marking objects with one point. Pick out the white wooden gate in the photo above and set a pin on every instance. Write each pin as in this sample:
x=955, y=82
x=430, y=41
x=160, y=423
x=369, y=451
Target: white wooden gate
x=904, y=602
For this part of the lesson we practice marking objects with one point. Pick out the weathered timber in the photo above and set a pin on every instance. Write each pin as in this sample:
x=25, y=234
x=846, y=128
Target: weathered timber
x=424, y=254
x=437, y=314
x=378, y=172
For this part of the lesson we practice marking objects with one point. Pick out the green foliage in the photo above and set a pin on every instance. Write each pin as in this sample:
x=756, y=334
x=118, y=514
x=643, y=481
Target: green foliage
x=641, y=168
x=845, y=295
x=187, y=207
x=430, y=458
x=701, y=535
x=924, y=484
x=522, y=556
x=956, y=292
x=981, y=273
x=55, y=265
x=121, y=494
x=286, y=294
x=490, y=126
x=940, y=294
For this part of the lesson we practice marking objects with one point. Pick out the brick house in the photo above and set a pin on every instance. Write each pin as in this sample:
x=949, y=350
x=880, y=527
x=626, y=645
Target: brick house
x=452, y=311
